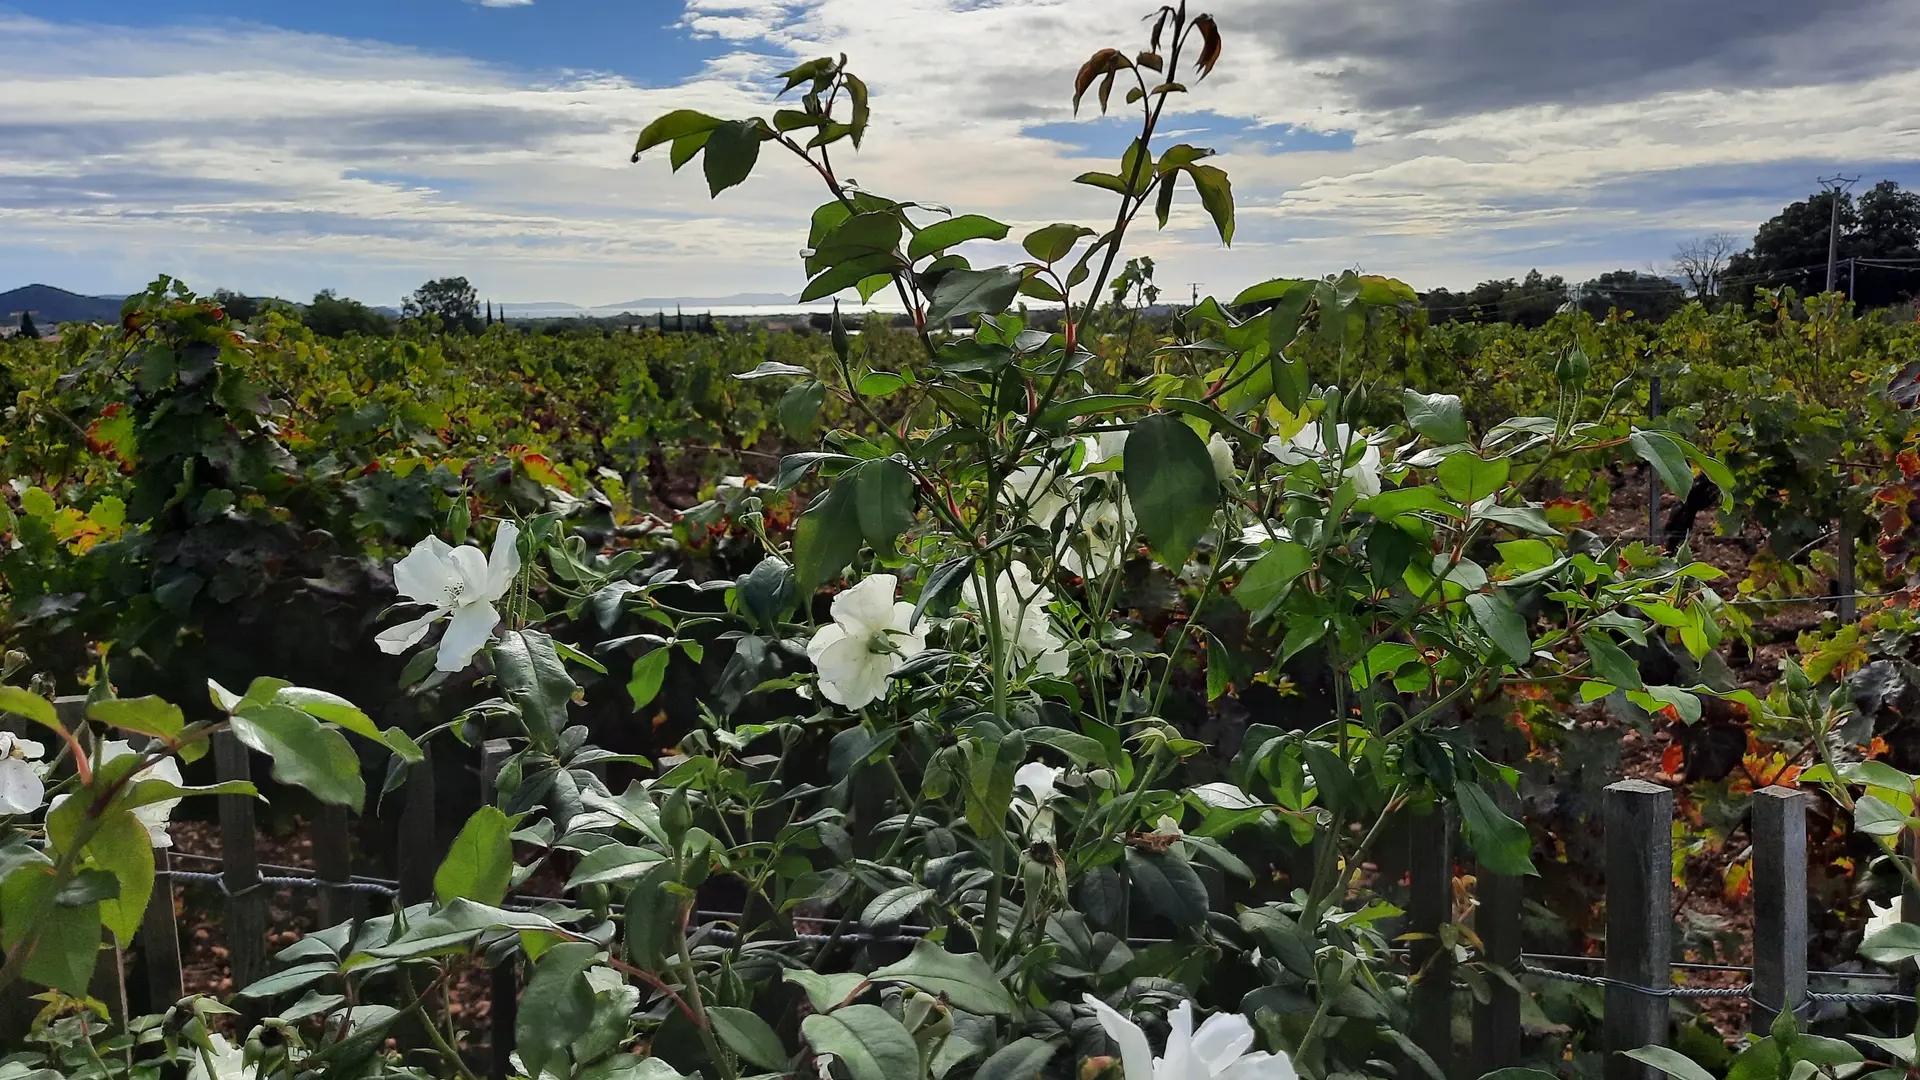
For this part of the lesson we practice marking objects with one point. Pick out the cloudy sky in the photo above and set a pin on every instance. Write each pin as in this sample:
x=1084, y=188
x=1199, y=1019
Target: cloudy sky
x=366, y=145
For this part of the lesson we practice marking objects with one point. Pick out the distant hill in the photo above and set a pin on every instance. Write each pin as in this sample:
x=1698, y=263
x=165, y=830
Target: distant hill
x=691, y=304
x=51, y=306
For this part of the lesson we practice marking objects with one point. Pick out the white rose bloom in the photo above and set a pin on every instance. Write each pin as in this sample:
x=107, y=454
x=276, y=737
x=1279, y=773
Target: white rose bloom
x=1218, y=1051
x=1033, y=789
x=1304, y=445
x=1885, y=917
x=21, y=784
x=1103, y=448
x=229, y=1061
x=866, y=641
x=1030, y=636
x=1100, y=539
x=1037, y=493
x=456, y=582
x=1221, y=451
x=153, y=815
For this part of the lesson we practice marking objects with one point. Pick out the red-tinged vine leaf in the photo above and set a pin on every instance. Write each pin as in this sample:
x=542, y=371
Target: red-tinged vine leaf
x=1672, y=760
x=1104, y=62
x=1209, y=44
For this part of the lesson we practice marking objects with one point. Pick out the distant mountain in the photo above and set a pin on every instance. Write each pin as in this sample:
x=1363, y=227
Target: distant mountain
x=662, y=303
x=51, y=306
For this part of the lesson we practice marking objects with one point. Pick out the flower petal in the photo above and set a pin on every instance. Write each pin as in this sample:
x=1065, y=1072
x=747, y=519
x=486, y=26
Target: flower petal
x=824, y=638
x=504, y=565
x=1037, y=777
x=427, y=574
x=1136, y=1055
x=1221, y=1040
x=398, y=639
x=867, y=606
x=20, y=790
x=472, y=567
x=851, y=674
x=1261, y=1065
x=472, y=625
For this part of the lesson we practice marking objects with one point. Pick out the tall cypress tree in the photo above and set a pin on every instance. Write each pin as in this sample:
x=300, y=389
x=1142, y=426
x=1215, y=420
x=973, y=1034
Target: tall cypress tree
x=27, y=329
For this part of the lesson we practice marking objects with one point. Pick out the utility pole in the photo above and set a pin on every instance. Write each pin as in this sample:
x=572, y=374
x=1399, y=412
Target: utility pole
x=1194, y=287
x=1835, y=186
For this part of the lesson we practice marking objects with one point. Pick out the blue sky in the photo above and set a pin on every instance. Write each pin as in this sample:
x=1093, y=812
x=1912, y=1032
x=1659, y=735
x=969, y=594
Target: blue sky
x=367, y=146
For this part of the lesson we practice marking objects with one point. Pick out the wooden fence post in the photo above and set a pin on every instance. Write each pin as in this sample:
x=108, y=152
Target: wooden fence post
x=504, y=1011
x=1779, y=904
x=419, y=834
x=1496, y=1023
x=1429, y=908
x=333, y=861
x=1639, y=842
x=240, y=865
x=160, y=939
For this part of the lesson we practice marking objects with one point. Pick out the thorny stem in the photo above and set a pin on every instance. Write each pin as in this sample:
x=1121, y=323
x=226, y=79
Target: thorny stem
x=416, y=1002
x=692, y=981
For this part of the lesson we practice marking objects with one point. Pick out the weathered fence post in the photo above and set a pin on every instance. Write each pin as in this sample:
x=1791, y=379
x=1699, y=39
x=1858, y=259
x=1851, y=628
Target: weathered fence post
x=1847, y=585
x=1429, y=908
x=333, y=861
x=1653, y=475
x=240, y=865
x=160, y=939
x=419, y=834
x=1639, y=841
x=1779, y=904
x=504, y=1010
x=1496, y=1022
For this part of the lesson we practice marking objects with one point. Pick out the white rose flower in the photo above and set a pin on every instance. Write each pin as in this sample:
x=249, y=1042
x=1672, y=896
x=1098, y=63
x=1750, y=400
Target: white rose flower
x=1033, y=789
x=1030, y=637
x=1305, y=445
x=229, y=1062
x=456, y=582
x=1221, y=451
x=867, y=640
x=1885, y=917
x=21, y=784
x=1099, y=540
x=154, y=815
x=1218, y=1051
x=1036, y=493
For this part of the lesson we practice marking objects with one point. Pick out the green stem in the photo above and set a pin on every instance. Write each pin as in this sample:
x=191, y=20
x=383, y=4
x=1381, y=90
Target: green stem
x=417, y=1003
x=698, y=1002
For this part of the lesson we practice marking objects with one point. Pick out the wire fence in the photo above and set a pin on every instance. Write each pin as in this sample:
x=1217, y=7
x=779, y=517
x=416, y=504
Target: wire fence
x=1745, y=990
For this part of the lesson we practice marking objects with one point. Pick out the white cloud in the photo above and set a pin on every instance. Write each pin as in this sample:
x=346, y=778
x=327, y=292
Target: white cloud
x=504, y=3
x=293, y=162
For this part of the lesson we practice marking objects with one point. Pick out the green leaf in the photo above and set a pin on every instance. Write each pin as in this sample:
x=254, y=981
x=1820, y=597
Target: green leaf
x=1664, y=454
x=964, y=979
x=648, y=673
x=284, y=982
x=1893, y=946
x=942, y=235
x=1877, y=817
x=876, y=232
x=557, y=1005
x=800, y=408
x=479, y=866
x=535, y=680
x=1495, y=614
x=1051, y=243
x=847, y=274
x=732, y=150
x=883, y=492
x=335, y=709
x=825, y=992
x=1171, y=484
x=30, y=705
x=1437, y=416
x=871, y=1044
x=766, y=591
x=1168, y=885
x=892, y=907
x=826, y=538
x=1501, y=843
x=1021, y=1059
x=612, y=862
x=304, y=751
x=1468, y=478
x=68, y=937
x=769, y=368
x=746, y=1034
x=1266, y=579
x=1669, y=1061
x=1216, y=194
x=674, y=125
x=122, y=848
x=1399, y=502
x=880, y=383
x=1611, y=662
x=973, y=292
x=144, y=715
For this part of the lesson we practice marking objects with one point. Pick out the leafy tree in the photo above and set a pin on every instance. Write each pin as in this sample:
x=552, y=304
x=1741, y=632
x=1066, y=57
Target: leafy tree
x=335, y=316
x=1790, y=249
x=1530, y=301
x=453, y=299
x=1648, y=296
x=239, y=307
x=27, y=329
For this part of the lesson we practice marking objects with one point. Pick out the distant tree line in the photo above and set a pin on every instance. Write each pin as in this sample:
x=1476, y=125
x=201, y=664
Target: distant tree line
x=1876, y=258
